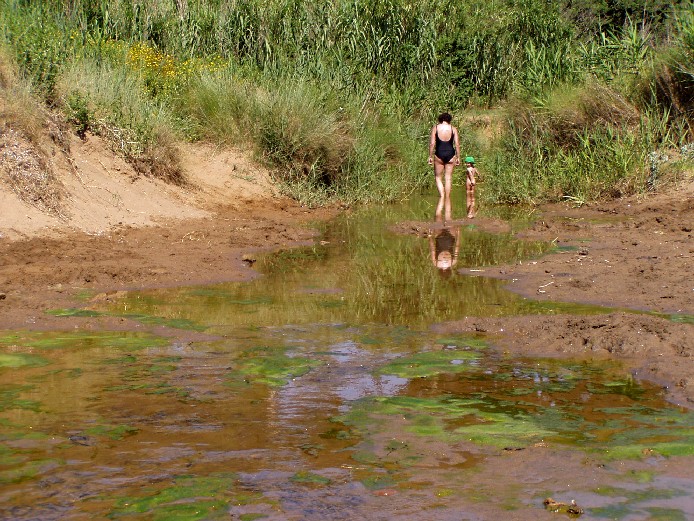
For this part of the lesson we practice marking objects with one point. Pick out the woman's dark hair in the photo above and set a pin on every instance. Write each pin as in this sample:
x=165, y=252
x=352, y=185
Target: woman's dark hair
x=445, y=117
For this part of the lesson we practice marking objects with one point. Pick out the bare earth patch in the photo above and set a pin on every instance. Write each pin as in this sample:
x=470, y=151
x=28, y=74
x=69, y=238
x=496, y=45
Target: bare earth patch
x=121, y=230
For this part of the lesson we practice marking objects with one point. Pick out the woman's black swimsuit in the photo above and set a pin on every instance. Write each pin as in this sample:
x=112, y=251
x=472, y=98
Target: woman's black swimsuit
x=445, y=150
x=445, y=242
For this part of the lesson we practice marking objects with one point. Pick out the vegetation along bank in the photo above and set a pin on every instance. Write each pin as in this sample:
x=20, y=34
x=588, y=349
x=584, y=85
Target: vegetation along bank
x=574, y=100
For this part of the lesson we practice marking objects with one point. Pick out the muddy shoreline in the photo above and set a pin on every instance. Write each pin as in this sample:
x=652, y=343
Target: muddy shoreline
x=632, y=255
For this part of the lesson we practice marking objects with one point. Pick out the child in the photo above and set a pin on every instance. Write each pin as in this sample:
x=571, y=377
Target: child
x=470, y=185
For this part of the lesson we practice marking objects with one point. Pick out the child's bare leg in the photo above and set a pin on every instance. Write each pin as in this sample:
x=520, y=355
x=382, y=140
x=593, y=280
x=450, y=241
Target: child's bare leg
x=470, y=187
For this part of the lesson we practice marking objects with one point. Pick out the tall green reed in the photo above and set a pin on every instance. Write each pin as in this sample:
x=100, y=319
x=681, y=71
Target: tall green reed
x=579, y=144
x=363, y=77
x=319, y=148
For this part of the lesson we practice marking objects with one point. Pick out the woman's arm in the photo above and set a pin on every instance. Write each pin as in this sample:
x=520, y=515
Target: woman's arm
x=432, y=144
x=457, y=146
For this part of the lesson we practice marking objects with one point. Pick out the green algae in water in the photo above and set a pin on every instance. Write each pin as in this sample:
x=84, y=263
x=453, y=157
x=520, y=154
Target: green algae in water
x=462, y=342
x=189, y=498
x=122, y=360
x=176, y=323
x=627, y=387
x=18, y=360
x=665, y=514
x=82, y=340
x=150, y=388
x=424, y=416
x=682, y=319
x=8, y=456
x=502, y=431
x=646, y=432
x=164, y=364
x=114, y=432
x=685, y=447
x=492, y=422
x=72, y=373
x=337, y=434
x=616, y=511
x=309, y=478
x=145, y=375
x=640, y=495
x=366, y=457
x=22, y=404
x=26, y=471
x=430, y=363
x=679, y=318
x=268, y=366
x=624, y=510
x=9, y=398
x=378, y=482
x=74, y=312
x=311, y=448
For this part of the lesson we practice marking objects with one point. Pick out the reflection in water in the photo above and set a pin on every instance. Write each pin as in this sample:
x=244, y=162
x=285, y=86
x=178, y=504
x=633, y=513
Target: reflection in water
x=444, y=246
x=444, y=240
x=326, y=395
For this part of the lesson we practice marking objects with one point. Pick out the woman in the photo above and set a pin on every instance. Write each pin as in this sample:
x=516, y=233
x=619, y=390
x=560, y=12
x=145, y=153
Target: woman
x=443, y=154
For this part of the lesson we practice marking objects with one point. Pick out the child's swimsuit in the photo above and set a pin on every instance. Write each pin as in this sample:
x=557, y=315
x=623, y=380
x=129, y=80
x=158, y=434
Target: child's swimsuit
x=445, y=150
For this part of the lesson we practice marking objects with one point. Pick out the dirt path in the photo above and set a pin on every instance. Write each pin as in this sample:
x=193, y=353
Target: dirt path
x=634, y=254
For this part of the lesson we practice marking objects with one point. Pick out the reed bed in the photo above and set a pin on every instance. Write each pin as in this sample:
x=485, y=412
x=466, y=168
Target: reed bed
x=337, y=97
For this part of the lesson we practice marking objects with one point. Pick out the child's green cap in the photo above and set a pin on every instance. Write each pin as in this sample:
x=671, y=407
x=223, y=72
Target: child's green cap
x=469, y=159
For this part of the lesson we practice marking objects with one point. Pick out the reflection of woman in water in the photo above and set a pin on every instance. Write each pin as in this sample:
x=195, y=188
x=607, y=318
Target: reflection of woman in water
x=444, y=247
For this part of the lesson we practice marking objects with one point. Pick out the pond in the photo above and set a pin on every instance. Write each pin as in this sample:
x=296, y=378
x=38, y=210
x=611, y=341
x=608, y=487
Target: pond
x=320, y=390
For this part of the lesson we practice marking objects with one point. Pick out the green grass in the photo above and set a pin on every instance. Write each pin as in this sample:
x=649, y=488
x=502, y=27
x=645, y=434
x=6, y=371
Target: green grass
x=337, y=97
x=579, y=143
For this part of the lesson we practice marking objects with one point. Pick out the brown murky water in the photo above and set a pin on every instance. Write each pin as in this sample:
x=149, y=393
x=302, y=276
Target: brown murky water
x=322, y=393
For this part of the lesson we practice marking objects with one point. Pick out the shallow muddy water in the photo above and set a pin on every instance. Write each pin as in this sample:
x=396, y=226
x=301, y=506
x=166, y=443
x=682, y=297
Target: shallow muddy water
x=321, y=391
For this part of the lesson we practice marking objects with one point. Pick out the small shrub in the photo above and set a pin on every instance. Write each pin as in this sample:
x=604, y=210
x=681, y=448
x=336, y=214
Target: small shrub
x=112, y=102
x=77, y=113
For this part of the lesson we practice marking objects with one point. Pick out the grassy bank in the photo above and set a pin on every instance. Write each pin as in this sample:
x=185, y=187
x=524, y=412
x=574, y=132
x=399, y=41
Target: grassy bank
x=337, y=97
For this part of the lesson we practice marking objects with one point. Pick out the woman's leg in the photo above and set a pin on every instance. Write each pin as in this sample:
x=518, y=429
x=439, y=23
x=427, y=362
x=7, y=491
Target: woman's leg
x=438, y=216
x=438, y=173
x=448, y=184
